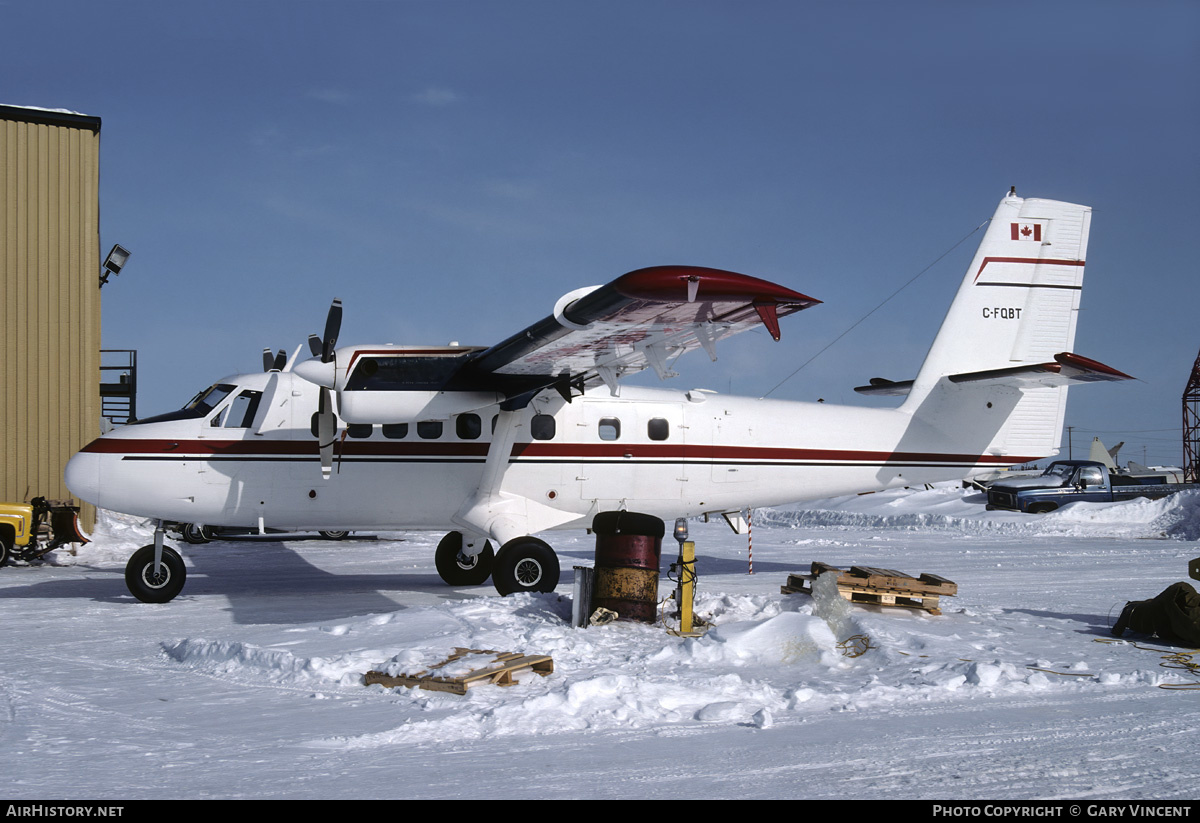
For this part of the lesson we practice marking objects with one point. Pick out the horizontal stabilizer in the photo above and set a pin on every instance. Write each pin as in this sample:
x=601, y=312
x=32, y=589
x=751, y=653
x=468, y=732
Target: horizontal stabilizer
x=886, y=388
x=1066, y=369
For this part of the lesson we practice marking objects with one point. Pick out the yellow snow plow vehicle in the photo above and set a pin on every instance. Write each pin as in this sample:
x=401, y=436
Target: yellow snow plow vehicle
x=22, y=536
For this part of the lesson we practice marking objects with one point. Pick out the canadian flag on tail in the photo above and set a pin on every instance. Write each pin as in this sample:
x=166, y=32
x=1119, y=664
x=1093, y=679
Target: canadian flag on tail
x=1027, y=231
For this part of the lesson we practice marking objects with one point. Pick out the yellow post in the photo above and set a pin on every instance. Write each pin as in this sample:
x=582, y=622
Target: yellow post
x=687, y=584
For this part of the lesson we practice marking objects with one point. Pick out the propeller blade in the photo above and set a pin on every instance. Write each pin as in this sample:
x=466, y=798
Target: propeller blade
x=326, y=432
x=280, y=360
x=333, y=325
x=314, y=345
x=268, y=360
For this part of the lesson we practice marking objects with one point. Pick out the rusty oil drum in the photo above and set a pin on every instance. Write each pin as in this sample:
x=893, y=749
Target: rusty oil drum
x=628, y=551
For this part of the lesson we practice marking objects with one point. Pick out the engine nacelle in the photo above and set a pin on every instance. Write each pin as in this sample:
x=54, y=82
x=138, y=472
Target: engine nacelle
x=410, y=406
x=397, y=384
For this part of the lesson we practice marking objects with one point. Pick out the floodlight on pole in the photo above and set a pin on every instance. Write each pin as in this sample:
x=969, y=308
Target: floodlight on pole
x=116, y=260
x=681, y=530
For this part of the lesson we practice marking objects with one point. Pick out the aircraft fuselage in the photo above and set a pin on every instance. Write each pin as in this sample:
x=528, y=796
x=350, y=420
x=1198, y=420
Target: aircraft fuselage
x=667, y=453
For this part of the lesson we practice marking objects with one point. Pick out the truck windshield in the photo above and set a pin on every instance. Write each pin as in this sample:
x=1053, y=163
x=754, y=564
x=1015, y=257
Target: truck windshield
x=1058, y=470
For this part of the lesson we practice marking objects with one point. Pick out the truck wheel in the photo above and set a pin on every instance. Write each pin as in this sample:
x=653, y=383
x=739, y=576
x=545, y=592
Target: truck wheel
x=149, y=587
x=194, y=533
x=1042, y=508
x=334, y=535
x=5, y=550
x=525, y=564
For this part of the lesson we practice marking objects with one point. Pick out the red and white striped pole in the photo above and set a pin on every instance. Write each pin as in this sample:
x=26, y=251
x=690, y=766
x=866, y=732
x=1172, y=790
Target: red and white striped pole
x=750, y=540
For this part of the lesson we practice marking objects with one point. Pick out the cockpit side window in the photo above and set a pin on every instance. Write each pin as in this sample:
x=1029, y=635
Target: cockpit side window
x=240, y=413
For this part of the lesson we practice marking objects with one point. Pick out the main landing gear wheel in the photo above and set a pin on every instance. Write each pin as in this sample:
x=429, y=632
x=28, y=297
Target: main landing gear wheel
x=145, y=584
x=525, y=564
x=459, y=569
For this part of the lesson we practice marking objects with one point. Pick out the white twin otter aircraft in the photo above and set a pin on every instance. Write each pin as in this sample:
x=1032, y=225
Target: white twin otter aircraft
x=494, y=445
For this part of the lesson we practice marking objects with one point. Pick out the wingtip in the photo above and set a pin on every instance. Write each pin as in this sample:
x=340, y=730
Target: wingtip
x=692, y=283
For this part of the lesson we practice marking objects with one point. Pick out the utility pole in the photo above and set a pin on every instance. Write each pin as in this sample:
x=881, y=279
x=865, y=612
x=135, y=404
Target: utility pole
x=1191, y=426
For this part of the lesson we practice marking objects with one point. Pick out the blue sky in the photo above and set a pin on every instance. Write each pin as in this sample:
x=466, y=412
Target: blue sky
x=449, y=169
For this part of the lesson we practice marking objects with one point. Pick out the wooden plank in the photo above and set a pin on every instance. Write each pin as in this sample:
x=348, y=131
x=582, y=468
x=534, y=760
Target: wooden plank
x=500, y=671
x=868, y=585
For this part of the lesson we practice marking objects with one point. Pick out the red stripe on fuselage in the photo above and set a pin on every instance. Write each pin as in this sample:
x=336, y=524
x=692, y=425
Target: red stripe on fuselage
x=688, y=452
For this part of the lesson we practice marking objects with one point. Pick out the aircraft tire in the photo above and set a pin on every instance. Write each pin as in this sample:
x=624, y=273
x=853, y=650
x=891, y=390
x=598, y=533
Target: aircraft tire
x=194, y=533
x=145, y=585
x=456, y=573
x=525, y=564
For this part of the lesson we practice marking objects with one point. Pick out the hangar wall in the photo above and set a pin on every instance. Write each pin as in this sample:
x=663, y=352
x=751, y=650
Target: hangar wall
x=49, y=298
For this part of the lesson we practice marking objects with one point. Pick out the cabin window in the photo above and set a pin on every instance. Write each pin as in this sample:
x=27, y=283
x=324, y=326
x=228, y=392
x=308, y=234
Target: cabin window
x=1091, y=476
x=429, y=429
x=542, y=427
x=610, y=428
x=658, y=428
x=395, y=431
x=468, y=426
x=359, y=430
x=240, y=413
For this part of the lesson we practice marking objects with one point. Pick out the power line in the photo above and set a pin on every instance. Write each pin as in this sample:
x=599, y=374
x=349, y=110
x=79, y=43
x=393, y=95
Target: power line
x=877, y=308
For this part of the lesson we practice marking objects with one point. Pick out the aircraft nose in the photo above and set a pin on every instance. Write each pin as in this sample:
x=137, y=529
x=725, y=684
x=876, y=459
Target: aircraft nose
x=82, y=477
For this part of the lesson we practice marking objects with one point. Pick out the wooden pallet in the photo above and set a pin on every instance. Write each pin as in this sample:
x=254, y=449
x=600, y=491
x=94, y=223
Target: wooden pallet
x=499, y=672
x=869, y=586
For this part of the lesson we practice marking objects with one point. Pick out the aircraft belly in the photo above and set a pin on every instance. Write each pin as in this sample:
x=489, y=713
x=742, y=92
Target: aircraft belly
x=614, y=482
x=370, y=494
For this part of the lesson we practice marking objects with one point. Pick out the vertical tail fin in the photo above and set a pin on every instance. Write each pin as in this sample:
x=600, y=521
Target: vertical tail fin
x=1016, y=307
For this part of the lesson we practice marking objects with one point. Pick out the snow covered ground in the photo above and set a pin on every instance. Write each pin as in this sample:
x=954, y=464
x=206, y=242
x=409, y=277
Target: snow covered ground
x=249, y=685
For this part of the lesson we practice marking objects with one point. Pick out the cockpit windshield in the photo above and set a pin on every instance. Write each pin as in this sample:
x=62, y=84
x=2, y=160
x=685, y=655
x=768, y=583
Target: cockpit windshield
x=197, y=407
x=207, y=400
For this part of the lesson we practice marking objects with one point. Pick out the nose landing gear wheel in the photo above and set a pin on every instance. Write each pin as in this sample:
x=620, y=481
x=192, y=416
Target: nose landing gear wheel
x=149, y=586
x=525, y=564
x=459, y=569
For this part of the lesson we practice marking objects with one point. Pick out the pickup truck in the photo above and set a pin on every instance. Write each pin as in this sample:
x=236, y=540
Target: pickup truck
x=1067, y=481
x=21, y=533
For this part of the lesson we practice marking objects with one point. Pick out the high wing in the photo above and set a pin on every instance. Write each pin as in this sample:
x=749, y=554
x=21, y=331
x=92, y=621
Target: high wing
x=643, y=319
